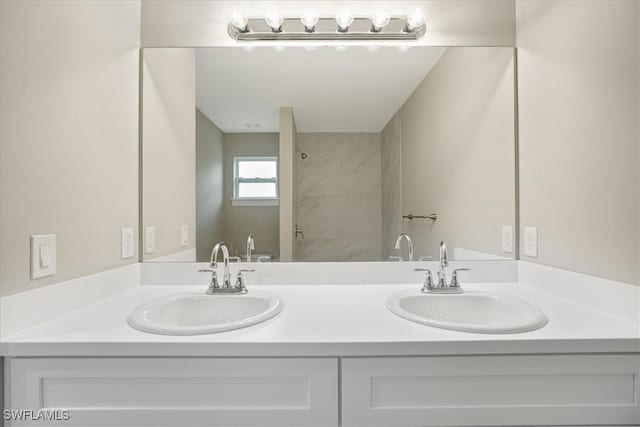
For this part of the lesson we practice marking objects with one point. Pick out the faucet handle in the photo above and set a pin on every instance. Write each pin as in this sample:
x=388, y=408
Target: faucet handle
x=454, y=278
x=428, y=280
x=214, y=278
x=424, y=257
x=235, y=258
x=395, y=258
x=240, y=283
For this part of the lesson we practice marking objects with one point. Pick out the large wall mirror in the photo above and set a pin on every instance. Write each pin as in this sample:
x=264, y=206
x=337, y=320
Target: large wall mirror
x=328, y=154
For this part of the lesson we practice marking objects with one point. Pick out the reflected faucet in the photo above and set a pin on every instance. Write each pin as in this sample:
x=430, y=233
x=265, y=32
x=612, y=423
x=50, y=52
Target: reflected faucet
x=409, y=244
x=444, y=262
x=251, y=246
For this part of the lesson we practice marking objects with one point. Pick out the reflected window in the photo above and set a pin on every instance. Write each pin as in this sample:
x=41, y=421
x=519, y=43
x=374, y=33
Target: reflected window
x=255, y=178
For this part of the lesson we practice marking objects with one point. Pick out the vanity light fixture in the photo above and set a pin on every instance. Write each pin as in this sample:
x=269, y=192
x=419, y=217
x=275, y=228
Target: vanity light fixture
x=274, y=21
x=344, y=19
x=415, y=21
x=309, y=19
x=378, y=21
x=239, y=22
x=344, y=26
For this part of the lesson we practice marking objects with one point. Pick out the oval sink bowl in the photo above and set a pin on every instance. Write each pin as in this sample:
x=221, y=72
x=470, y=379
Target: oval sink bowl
x=472, y=311
x=194, y=314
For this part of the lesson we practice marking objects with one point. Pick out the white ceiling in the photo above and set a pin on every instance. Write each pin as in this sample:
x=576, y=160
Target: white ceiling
x=355, y=90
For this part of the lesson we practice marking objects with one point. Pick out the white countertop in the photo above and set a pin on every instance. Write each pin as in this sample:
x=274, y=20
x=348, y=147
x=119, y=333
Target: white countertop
x=323, y=320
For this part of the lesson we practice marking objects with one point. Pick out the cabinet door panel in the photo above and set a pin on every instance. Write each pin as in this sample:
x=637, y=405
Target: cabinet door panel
x=491, y=390
x=179, y=391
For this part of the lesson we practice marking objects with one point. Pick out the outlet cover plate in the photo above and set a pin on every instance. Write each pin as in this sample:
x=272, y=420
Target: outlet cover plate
x=184, y=233
x=149, y=239
x=126, y=241
x=507, y=239
x=531, y=242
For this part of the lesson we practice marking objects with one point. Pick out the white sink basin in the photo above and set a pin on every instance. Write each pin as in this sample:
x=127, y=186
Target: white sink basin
x=472, y=311
x=198, y=313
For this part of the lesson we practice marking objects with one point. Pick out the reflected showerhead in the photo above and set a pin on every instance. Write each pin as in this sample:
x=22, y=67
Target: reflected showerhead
x=303, y=155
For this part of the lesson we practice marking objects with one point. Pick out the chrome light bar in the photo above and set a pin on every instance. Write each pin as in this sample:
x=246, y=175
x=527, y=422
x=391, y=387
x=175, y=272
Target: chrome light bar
x=325, y=29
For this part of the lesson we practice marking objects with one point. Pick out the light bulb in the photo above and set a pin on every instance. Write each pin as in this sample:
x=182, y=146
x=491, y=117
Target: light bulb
x=415, y=20
x=239, y=21
x=344, y=18
x=274, y=21
x=309, y=19
x=379, y=20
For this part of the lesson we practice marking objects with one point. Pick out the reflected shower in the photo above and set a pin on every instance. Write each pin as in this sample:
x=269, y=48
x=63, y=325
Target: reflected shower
x=303, y=155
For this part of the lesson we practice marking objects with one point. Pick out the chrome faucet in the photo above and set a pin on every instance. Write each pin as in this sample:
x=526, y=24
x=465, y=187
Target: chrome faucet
x=251, y=246
x=442, y=287
x=225, y=288
x=406, y=237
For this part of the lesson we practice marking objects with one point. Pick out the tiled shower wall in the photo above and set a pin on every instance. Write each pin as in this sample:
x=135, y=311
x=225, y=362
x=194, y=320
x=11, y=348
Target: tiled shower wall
x=391, y=156
x=339, y=197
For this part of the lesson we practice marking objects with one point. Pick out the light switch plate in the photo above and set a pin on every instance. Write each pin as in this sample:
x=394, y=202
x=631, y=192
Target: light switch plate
x=149, y=240
x=43, y=255
x=184, y=231
x=126, y=241
x=531, y=241
x=507, y=239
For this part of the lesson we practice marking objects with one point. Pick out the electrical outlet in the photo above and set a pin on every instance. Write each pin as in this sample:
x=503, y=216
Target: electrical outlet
x=126, y=243
x=149, y=240
x=531, y=242
x=184, y=231
x=43, y=255
x=507, y=239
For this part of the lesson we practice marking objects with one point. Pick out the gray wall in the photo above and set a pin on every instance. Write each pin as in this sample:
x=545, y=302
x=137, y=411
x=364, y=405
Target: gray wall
x=169, y=148
x=339, y=197
x=458, y=152
x=209, y=185
x=69, y=130
x=262, y=221
x=578, y=100
x=288, y=182
x=391, y=156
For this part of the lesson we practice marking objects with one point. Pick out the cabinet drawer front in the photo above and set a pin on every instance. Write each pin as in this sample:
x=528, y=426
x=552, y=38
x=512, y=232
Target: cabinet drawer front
x=179, y=391
x=491, y=390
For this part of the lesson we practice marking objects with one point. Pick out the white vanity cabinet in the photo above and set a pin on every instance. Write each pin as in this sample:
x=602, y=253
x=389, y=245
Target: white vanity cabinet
x=442, y=391
x=540, y=390
x=178, y=391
